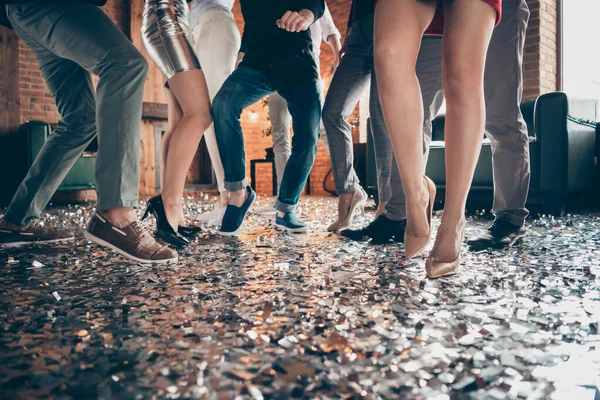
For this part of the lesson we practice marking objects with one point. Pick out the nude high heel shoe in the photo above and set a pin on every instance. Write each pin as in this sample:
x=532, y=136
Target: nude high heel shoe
x=436, y=269
x=359, y=197
x=413, y=246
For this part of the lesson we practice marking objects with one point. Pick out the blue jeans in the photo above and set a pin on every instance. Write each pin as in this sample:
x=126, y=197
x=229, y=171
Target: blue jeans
x=245, y=87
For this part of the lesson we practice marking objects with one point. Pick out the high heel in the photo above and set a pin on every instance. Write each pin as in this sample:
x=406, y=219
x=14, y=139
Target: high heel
x=413, y=246
x=436, y=269
x=164, y=230
x=359, y=197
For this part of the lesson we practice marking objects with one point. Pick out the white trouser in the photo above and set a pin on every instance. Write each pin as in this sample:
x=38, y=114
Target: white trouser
x=216, y=42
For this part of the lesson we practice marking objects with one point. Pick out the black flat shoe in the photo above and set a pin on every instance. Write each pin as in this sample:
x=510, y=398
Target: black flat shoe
x=189, y=231
x=501, y=233
x=164, y=230
x=381, y=231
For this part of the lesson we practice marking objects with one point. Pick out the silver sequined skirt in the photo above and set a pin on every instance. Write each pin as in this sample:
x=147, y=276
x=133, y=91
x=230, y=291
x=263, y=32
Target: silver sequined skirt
x=166, y=34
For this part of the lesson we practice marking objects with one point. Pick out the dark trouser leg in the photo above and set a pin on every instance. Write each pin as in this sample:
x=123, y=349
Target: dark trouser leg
x=505, y=125
x=429, y=72
x=304, y=105
x=244, y=87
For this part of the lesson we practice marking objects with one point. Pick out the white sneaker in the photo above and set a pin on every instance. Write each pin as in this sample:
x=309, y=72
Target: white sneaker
x=213, y=217
x=265, y=210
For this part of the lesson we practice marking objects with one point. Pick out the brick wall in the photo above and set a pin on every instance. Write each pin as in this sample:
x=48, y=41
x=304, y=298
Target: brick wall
x=540, y=68
x=36, y=101
x=541, y=56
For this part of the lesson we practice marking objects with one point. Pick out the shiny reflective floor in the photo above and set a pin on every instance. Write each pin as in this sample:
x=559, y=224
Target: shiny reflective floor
x=274, y=316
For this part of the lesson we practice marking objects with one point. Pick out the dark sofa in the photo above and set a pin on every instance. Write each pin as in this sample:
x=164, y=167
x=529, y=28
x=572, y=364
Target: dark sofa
x=562, y=150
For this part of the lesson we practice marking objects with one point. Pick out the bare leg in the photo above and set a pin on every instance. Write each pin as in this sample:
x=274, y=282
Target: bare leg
x=191, y=94
x=468, y=29
x=399, y=27
x=174, y=115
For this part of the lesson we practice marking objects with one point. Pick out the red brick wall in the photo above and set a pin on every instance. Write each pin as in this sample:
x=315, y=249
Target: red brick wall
x=36, y=100
x=541, y=56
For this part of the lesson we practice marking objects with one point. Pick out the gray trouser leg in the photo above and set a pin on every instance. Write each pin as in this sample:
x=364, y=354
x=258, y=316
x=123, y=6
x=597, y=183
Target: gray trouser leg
x=280, y=132
x=382, y=146
x=64, y=38
x=347, y=85
x=429, y=73
x=505, y=126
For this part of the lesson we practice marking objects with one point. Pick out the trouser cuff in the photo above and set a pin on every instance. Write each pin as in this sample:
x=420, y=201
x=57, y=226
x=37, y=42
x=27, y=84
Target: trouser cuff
x=284, y=207
x=515, y=217
x=235, y=186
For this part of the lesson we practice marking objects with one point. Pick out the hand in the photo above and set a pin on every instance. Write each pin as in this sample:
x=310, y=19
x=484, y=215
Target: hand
x=336, y=62
x=240, y=57
x=293, y=21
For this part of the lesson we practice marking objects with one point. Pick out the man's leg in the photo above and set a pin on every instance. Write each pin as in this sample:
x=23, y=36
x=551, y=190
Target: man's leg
x=348, y=84
x=243, y=88
x=280, y=132
x=72, y=89
x=305, y=107
x=64, y=29
x=506, y=128
x=391, y=225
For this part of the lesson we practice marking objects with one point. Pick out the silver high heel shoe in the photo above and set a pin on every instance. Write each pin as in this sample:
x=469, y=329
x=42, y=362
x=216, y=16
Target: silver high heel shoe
x=359, y=198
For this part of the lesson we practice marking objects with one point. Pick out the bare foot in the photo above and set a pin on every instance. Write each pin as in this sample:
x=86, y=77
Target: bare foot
x=173, y=212
x=448, y=241
x=344, y=205
x=417, y=224
x=224, y=199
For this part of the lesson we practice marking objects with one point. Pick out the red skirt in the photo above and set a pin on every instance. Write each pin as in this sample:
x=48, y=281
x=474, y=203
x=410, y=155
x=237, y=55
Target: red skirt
x=437, y=25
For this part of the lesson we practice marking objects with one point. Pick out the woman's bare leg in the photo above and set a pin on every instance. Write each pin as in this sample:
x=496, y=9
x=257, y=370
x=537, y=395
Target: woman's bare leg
x=468, y=28
x=174, y=115
x=399, y=27
x=190, y=92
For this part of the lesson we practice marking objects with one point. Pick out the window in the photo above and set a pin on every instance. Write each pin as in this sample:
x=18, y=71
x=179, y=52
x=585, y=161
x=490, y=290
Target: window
x=581, y=48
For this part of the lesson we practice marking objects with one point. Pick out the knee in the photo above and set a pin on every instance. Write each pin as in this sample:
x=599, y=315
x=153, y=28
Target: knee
x=462, y=82
x=200, y=120
x=221, y=106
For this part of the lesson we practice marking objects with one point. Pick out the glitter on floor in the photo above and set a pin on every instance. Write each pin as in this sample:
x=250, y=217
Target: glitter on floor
x=274, y=316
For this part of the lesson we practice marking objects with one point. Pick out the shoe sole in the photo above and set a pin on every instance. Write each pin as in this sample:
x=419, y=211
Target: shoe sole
x=38, y=242
x=291, y=230
x=104, y=243
x=238, y=231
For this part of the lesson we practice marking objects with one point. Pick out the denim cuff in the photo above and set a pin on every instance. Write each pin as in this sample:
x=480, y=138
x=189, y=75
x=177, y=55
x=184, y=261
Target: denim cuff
x=284, y=207
x=235, y=186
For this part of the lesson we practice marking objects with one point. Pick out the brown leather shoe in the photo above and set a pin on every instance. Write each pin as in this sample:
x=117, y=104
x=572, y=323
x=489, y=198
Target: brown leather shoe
x=32, y=235
x=132, y=241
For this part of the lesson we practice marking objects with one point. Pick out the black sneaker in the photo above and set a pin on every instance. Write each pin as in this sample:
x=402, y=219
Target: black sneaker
x=501, y=233
x=382, y=230
x=33, y=235
x=234, y=216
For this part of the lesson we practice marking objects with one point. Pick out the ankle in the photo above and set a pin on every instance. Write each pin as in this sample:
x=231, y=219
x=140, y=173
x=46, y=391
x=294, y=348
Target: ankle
x=281, y=214
x=237, y=198
x=119, y=217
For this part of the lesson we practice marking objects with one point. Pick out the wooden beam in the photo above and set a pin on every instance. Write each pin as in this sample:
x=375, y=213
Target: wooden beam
x=154, y=111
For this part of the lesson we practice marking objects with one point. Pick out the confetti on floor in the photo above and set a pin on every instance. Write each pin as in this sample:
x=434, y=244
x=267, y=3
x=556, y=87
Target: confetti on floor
x=274, y=316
